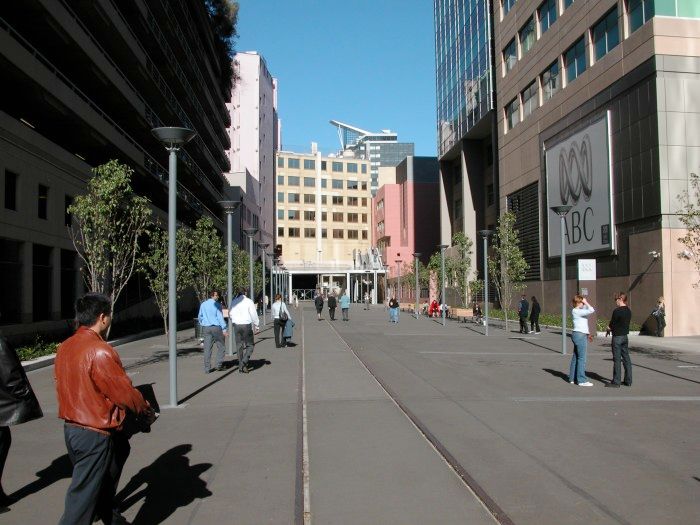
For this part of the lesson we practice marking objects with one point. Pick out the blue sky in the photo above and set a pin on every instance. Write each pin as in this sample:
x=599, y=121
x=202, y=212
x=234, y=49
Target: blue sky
x=370, y=63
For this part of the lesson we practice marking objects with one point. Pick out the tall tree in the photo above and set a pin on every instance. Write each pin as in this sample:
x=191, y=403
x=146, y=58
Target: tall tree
x=507, y=266
x=689, y=215
x=460, y=267
x=108, y=223
x=207, y=269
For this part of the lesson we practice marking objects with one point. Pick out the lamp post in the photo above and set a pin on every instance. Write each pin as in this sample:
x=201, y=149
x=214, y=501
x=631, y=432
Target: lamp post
x=416, y=256
x=386, y=282
x=442, y=270
x=486, y=234
x=562, y=211
x=229, y=208
x=173, y=139
x=250, y=232
x=272, y=278
x=263, y=245
x=398, y=285
x=367, y=272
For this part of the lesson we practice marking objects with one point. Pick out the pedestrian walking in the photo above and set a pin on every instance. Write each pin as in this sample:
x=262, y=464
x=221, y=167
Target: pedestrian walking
x=619, y=327
x=580, y=337
x=95, y=396
x=211, y=319
x=535, y=316
x=332, y=304
x=393, y=310
x=245, y=323
x=318, y=302
x=345, y=305
x=523, y=311
x=659, y=314
x=18, y=404
x=280, y=316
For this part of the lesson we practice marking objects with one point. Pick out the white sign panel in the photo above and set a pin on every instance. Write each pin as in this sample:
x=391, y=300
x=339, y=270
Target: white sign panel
x=579, y=175
x=586, y=270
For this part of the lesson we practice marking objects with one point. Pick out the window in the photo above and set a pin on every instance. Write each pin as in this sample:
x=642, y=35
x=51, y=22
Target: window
x=293, y=163
x=351, y=167
x=364, y=201
x=280, y=180
x=280, y=214
x=324, y=199
x=337, y=184
x=337, y=216
x=352, y=201
x=575, y=60
x=353, y=217
x=67, y=203
x=507, y=5
x=292, y=197
x=490, y=198
x=551, y=81
x=309, y=182
x=567, y=3
x=353, y=234
x=280, y=196
x=293, y=180
x=309, y=215
x=510, y=56
x=337, y=167
x=309, y=164
x=364, y=218
x=338, y=200
x=293, y=232
x=43, y=202
x=324, y=233
x=280, y=162
x=310, y=233
x=512, y=113
x=280, y=232
x=10, y=190
x=309, y=198
x=324, y=216
x=529, y=97
x=364, y=235
x=352, y=184
x=293, y=215
x=547, y=14
x=338, y=234
x=324, y=183
x=527, y=36
x=364, y=168
x=323, y=165
x=364, y=185
x=606, y=34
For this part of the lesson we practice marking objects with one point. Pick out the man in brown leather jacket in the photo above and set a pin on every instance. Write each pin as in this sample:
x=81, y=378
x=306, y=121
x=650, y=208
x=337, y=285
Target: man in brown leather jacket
x=94, y=396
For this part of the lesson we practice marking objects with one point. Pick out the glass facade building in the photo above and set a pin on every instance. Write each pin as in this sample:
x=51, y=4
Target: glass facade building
x=463, y=68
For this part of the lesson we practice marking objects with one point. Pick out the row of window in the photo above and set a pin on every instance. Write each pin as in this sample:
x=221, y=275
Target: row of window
x=601, y=39
x=309, y=215
x=310, y=198
x=310, y=164
x=42, y=198
x=310, y=182
x=310, y=233
x=507, y=5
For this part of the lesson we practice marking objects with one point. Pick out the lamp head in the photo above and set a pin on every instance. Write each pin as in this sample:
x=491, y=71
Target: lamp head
x=173, y=137
x=486, y=233
x=561, y=210
x=250, y=232
x=417, y=254
x=263, y=245
x=229, y=206
x=442, y=246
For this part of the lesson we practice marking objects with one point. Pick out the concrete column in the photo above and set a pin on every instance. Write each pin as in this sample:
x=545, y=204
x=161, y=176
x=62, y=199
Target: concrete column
x=27, y=307
x=55, y=293
x=289, y=288
x=347, y=284
x=445, y=226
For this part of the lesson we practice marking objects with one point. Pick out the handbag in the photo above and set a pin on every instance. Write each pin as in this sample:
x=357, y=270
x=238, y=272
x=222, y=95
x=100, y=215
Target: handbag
x=283, y=313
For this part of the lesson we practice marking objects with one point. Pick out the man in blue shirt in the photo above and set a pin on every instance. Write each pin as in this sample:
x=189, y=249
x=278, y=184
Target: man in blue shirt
x=211, y=319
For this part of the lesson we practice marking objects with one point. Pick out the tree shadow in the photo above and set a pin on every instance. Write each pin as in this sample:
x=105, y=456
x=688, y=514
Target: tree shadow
x=59, y=469
x=165, y=485
x=557, y=373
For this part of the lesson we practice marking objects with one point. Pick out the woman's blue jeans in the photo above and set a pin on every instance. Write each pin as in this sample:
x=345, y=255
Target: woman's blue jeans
x=577, y=369
x=394, y=315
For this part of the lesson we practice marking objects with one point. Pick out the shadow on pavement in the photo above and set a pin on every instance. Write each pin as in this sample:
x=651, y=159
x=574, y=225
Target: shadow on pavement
x=163, y=355
x=165, y=485
x=557, y=373
x=59, y=469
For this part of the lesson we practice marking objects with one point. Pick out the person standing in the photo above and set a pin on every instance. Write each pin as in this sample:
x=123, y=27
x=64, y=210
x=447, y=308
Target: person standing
x=318, y=302
x=280, y=316
x=332, y=304
x=535, y=316
x=523, y=311
x=393, y=310
x=211, y=319
x=580, y=337
x=18, y=404
x=366, y=301
x=659, y=314
x=620, y=327
x=94, y=397
x=245, y=322
x=345, y=305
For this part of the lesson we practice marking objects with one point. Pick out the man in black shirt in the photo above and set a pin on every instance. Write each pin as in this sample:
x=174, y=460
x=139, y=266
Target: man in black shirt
x=523, y=310
x=619, y=327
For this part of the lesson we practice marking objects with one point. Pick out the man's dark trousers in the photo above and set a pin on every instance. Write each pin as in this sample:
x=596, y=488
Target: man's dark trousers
x=244, y=343
x=91, y=454
x=213, y=334
x=331, y=312
x=621, y=353
x=278, y=326
x=523, y=324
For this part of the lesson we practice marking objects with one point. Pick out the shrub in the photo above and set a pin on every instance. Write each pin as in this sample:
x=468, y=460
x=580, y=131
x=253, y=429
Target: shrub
x=38, y=349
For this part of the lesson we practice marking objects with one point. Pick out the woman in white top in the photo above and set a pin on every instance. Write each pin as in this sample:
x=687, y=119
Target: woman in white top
x=278, y=307
x=580, y=337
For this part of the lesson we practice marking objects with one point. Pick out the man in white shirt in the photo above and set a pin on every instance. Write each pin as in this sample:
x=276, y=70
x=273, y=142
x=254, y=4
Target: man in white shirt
x=245, y=320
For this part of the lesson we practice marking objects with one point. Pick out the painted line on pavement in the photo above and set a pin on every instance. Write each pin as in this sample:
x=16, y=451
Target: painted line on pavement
x=492, y=354
x=302, y=502
x=562, y=399
x=469, y=482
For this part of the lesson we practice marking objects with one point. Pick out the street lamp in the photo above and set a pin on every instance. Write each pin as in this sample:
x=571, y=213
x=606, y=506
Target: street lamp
x=367, y=272
x=562, y=211
x=173, y=139
x=272, y=277
x=398, y=286
x=263, y=245
x=250, y=232
x=229, y=208
x=442, y=270
x=386, y=282
x=486, y=234
x=416, y=255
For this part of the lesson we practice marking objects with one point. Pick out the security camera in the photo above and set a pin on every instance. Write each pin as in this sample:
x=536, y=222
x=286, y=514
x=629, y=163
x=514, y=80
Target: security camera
x=655, y=254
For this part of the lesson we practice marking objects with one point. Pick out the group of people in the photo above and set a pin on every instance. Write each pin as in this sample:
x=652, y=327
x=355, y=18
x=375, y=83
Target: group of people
x=534, y=313
x=332, y=302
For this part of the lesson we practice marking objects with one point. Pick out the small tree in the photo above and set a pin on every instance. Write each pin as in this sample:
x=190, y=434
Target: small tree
x=153, y=265
x=507, y=266
x=108, y=222
x=689, y=215
x=460, y=267
x=207, y=256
